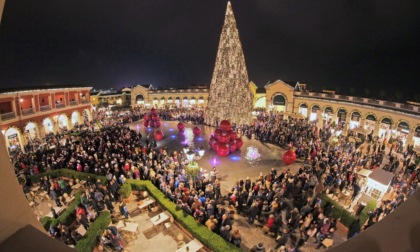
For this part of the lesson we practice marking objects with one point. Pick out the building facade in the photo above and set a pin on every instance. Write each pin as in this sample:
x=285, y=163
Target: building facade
x=28, y=115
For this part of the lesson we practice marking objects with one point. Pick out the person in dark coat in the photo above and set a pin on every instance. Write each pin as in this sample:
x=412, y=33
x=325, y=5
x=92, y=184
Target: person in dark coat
x=354, y=229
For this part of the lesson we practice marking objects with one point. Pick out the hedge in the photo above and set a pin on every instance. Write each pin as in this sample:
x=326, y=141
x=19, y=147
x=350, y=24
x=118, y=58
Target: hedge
x=125, y=190
x=67, y=217
x=95, y=230
x=346, y=218
x=207, y=237
x=68, y=173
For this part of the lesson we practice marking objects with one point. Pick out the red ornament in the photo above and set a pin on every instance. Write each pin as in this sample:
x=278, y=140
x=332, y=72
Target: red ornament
x=157, y=124
x=154, y=117
x=146, y=117
x=232, y=146
x=239, y=143
x=223, y=149
x=152, y=123
x=153, y=111
x=289, y=157
x=217, y=133
x=215, y=145
x=146, y=123
x=180, y=126
x=224, y=137
x=196, y=131
x=159, y=135
x=233, y=135
x=225, y=125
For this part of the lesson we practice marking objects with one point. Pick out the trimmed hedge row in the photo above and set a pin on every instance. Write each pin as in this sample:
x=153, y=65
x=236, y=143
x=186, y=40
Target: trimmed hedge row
x=346, y=217
x=67, y=217
x=95, y=230
x=68, y=173
x=207, y=237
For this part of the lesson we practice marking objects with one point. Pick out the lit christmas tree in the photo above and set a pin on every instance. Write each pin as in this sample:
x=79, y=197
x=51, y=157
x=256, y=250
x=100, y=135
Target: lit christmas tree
x=230, y=94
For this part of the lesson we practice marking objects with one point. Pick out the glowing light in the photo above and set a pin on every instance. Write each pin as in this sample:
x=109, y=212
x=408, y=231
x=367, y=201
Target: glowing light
x=165, y=124
x=170, y=129
x=173, y=136
x=199, y=139
x=235, y=158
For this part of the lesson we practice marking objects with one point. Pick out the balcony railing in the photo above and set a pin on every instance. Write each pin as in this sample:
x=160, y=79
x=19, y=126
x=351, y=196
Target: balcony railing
x=45, y=107
x=27, y=111
x=85, y=101
x=7, y=116
x=60, y=105
x=73, y=103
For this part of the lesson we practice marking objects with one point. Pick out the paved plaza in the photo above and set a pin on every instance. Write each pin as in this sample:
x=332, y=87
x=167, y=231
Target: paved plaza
x=231, y=169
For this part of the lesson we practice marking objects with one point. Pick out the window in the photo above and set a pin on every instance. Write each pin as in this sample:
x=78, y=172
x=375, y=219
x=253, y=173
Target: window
x=375, y=193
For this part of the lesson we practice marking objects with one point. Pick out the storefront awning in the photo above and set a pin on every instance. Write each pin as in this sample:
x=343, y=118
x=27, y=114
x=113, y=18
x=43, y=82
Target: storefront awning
x=279, y=100
x=386, y=121
x=328, y=110
x=342, y=112
x=404, y=125
x=356, y=114
x=371, y=117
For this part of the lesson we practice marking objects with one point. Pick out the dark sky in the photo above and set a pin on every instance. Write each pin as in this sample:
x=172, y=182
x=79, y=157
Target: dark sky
x=348, y=46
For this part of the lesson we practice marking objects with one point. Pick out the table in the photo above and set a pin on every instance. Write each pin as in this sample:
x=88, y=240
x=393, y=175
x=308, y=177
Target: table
x=145, y=204
x=81, y=230
x=159, y=219
x=36, y=188
x=131, y=228
x=193, y=246
x=120, y=224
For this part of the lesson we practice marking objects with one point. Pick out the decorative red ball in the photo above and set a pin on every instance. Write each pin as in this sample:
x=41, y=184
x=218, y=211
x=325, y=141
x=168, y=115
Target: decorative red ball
x=239, y=143
x=180, y=126
x=154, y=117
x=157, y=124
x=289, y=157
x=225, y=125
x=152, y=123
x=146, y=117
x=153, y=111
x=215, y=145
x=224, y=137
x=146, y=123
x=223, y=149
x=233, y=135
x=217, y=133
x=196, y=131
x=159, y=135
x=232, y=146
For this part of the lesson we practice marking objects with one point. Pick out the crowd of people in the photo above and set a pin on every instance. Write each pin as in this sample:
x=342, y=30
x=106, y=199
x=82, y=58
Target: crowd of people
x=285, y=203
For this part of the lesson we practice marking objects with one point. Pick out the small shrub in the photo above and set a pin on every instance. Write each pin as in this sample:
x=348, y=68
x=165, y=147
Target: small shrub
x=125, y=190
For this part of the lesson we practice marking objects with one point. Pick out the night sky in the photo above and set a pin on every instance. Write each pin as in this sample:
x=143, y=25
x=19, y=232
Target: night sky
x=353, y=47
